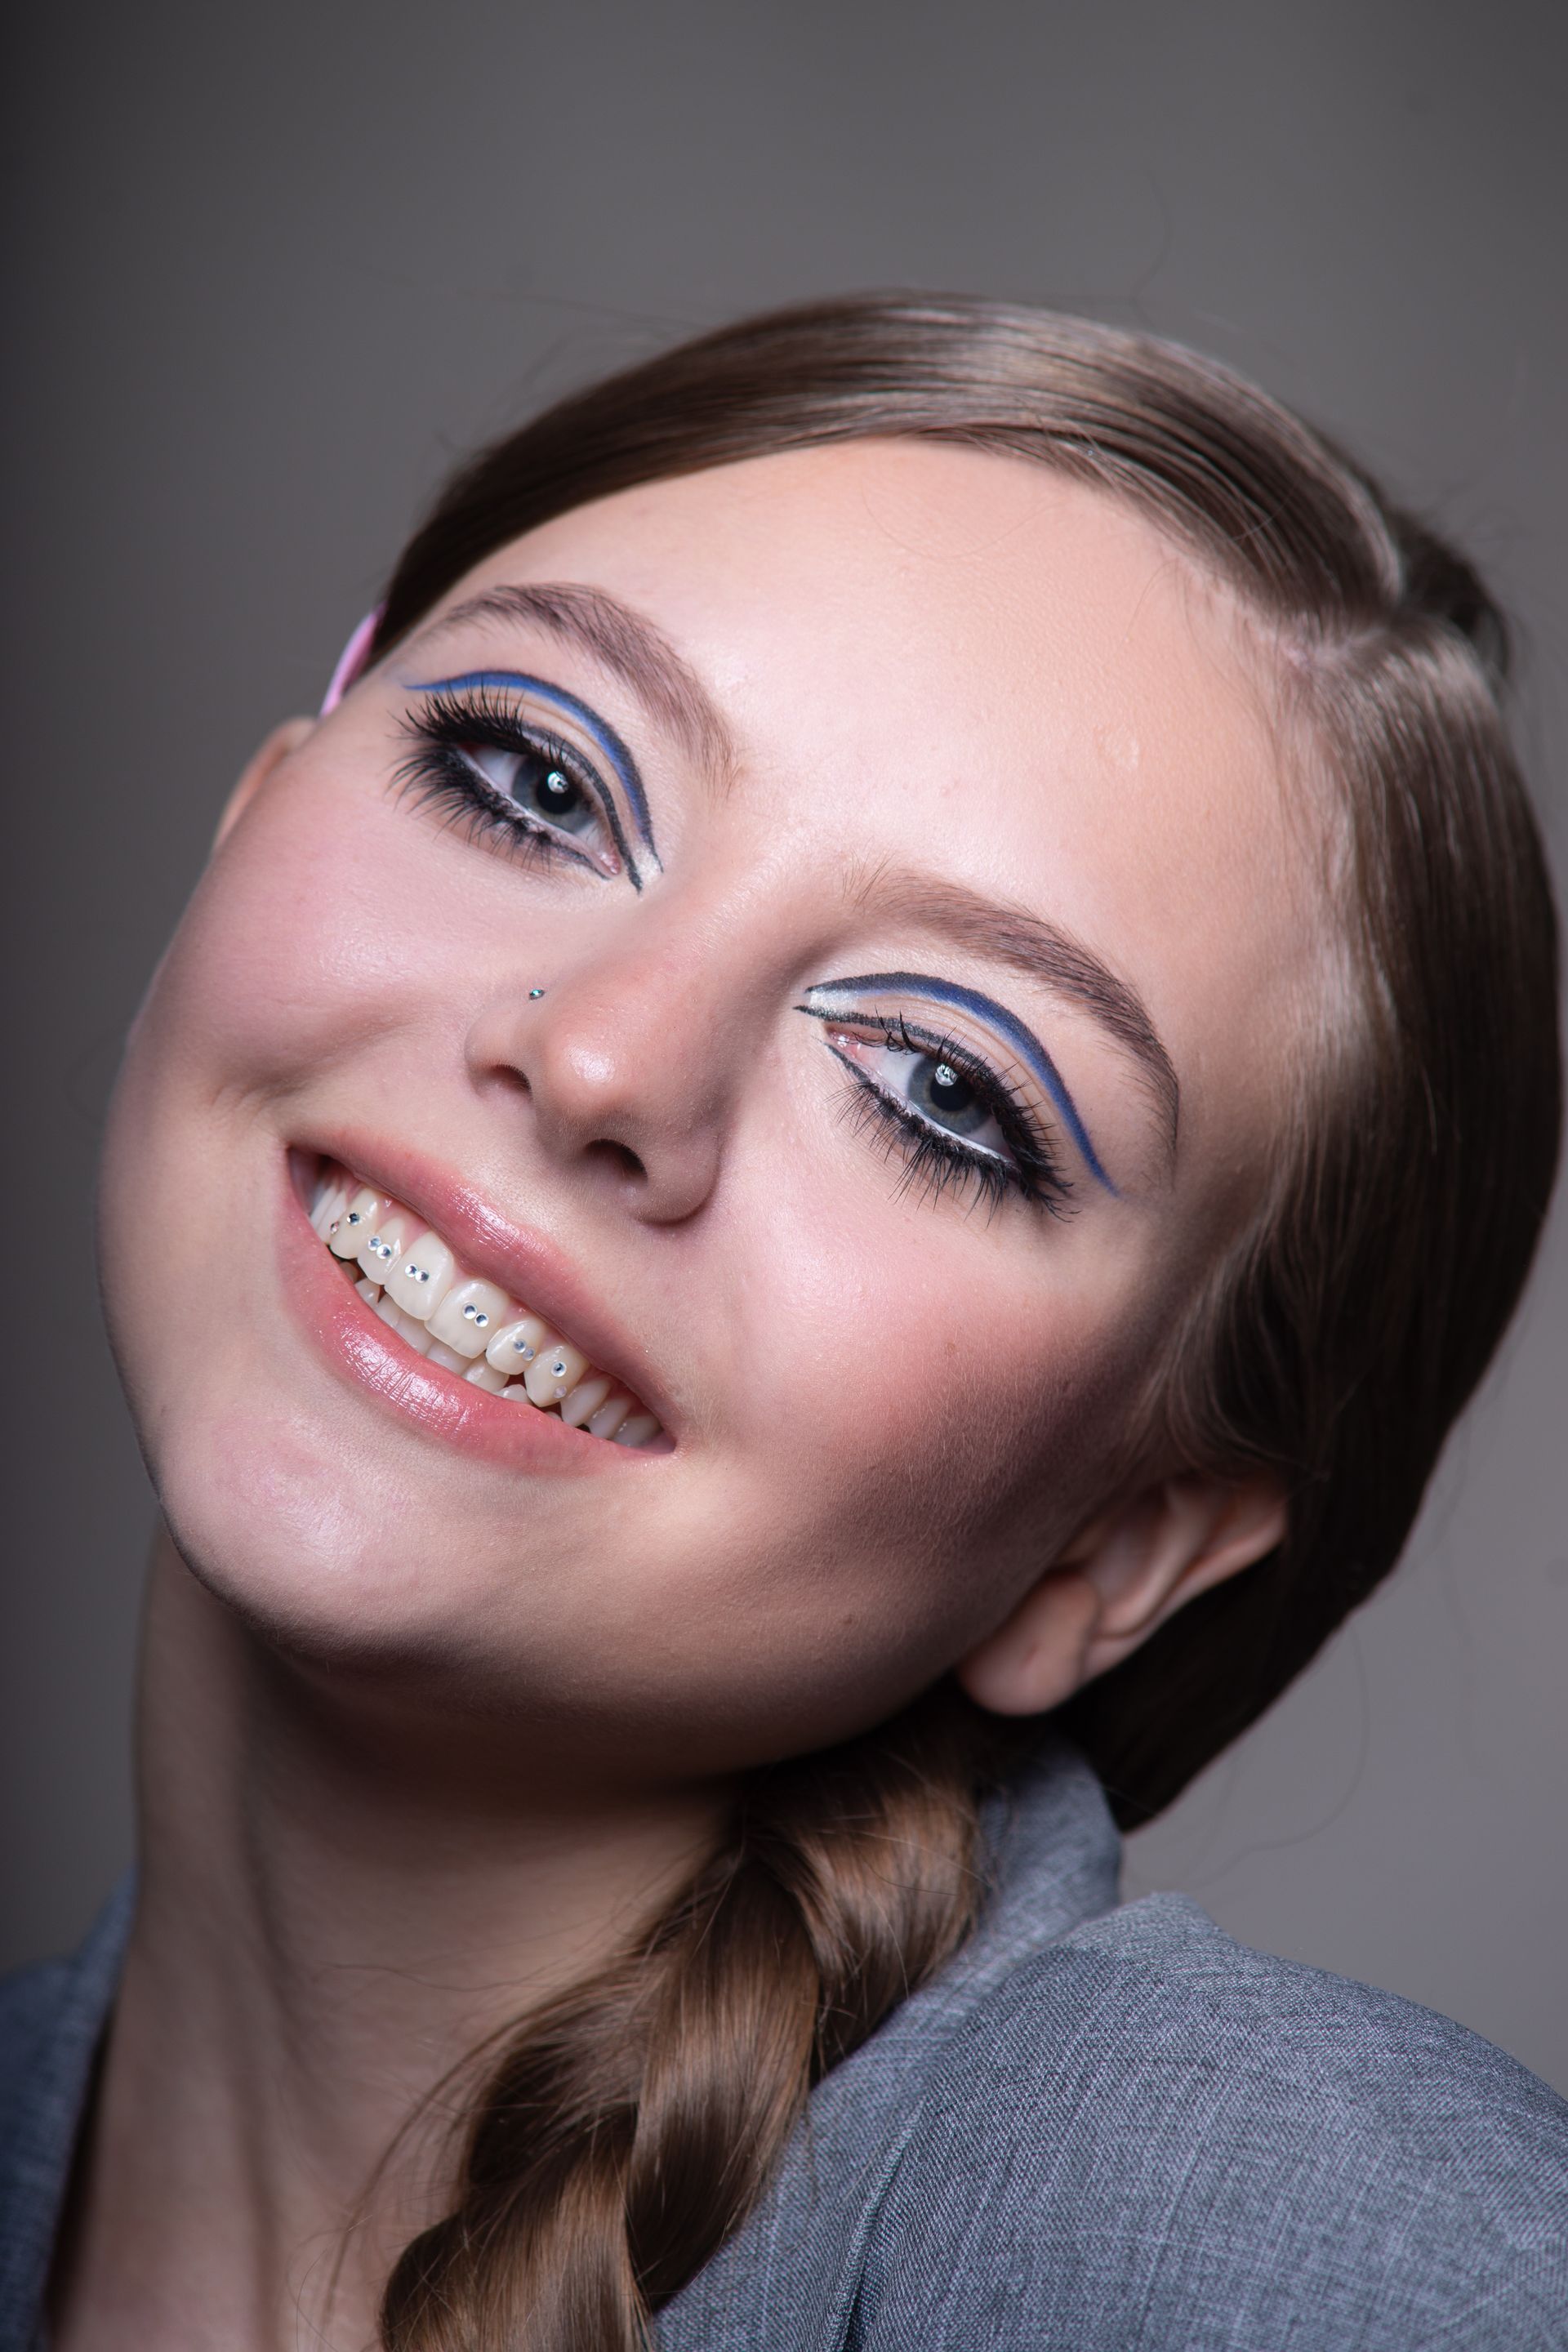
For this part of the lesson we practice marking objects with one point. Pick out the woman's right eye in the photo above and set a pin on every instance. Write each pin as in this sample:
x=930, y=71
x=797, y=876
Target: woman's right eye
x=538, y=785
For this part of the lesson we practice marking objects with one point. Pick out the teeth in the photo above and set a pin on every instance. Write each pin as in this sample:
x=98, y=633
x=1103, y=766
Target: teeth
x=422, y=1274
x=554, y=1372
x=515, y=1345
x=383, y=1245
x=412, y=1332
x=585, y=1400
x=470, y=1315
x=609, y=1417
x=357, y=1220
x=410, y=1280
x=638, y=1431
x=332, y=1200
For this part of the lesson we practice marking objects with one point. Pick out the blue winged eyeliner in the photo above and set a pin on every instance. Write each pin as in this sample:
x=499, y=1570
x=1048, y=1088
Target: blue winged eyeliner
x=969, y=999
x=615, y=751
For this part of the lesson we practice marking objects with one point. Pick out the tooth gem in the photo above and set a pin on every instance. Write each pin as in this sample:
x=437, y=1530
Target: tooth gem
x=469, y=1314
x=564, y=1374
x=559, y=1370
x=517, y=1343
x=363, y=1210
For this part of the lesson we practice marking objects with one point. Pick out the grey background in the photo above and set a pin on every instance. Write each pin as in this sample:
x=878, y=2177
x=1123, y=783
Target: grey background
x=270, y=270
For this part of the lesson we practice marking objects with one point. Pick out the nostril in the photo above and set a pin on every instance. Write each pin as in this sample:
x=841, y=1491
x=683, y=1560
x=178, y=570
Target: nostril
x=621, y=1157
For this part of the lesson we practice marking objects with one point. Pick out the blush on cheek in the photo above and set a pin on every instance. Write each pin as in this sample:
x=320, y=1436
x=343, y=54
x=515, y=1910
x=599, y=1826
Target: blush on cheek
x=289, y=956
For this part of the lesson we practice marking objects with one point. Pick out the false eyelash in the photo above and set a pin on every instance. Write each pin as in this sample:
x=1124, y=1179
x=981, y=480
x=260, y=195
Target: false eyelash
x=436, y=773
x=939, y=1164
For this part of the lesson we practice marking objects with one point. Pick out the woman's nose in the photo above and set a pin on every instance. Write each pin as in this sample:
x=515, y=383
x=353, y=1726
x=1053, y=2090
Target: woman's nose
x=621, y=1069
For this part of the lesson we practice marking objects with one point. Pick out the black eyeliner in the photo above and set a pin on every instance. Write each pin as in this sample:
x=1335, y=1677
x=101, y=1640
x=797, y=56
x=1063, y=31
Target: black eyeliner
x=1035, y=1172
x=439, y=765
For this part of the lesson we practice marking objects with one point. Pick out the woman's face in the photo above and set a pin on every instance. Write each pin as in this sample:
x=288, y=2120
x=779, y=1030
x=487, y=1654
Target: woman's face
x=756, y=928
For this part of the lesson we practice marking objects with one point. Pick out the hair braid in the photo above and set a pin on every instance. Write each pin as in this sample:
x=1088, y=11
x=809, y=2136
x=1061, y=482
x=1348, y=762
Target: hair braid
x=631, y=2122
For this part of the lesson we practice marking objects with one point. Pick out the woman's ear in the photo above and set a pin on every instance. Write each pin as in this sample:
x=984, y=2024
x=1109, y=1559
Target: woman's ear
x=273, y=752
x=1123, y=1575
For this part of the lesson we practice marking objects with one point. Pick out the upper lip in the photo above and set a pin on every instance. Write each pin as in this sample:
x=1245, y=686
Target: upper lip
x=531, y=1268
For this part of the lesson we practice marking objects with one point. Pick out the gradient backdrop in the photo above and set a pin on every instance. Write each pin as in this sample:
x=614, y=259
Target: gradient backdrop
x=271, y=269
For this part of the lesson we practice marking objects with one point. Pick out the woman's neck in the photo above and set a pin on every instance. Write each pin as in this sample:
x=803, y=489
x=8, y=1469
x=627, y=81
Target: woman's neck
x=337, y=1905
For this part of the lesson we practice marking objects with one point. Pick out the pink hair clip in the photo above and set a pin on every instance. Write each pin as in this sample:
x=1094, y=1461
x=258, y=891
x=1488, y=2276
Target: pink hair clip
x=351, y=660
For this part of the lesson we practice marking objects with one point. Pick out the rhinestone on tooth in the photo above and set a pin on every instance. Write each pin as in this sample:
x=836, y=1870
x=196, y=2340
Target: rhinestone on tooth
x=634, y=1426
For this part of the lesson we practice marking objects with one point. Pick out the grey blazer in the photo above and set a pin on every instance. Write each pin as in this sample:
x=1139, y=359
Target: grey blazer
x=1100, y=2129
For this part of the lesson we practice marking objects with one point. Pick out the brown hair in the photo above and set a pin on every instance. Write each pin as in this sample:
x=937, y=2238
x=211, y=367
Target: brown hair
x=630, y=2127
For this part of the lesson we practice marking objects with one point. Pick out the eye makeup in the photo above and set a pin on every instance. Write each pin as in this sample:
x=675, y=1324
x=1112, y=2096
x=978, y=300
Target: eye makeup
x=611, y=746
x=832, y=997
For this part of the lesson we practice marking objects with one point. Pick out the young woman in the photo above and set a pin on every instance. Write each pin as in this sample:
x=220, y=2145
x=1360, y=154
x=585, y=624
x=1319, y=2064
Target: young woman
x=809, y=1188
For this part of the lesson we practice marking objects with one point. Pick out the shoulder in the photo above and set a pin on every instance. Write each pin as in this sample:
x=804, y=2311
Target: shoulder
x=52, y=2013
x=51, y=2018
x=35, y=2004
x=1148, y=2135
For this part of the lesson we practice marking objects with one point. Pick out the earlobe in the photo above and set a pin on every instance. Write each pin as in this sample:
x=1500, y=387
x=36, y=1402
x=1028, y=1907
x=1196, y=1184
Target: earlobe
x=276, y=748
x=1123, y=1575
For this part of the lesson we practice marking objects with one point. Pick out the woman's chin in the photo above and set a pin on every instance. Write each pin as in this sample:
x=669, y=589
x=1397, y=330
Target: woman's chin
x=320, y=1566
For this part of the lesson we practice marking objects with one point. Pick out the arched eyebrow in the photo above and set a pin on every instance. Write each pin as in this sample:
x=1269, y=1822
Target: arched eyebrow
x=621, y=642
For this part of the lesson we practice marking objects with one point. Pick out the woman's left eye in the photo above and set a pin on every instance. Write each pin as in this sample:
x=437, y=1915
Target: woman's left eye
x=538, y=785
x=937, y=1091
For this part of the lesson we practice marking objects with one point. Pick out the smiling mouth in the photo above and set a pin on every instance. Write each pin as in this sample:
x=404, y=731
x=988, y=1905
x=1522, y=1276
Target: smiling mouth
x=416, y=1283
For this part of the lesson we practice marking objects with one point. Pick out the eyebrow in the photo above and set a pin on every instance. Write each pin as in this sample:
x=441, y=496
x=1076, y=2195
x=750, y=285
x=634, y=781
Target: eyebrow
x=1042, y=951
x=620, y=641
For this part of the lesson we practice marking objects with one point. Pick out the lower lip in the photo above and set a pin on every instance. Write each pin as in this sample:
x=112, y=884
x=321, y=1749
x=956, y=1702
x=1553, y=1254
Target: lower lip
x=358, y=1347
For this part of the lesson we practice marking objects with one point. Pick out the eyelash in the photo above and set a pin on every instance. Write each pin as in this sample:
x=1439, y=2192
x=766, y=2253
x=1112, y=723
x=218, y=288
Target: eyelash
x=939, y=1164
x=437, y=773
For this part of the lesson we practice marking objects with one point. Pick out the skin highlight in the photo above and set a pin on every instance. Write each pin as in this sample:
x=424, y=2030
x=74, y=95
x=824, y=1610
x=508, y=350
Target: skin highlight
x=473, y=1720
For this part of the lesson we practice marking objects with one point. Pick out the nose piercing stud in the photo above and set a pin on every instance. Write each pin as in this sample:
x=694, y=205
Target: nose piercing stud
x=536, y=991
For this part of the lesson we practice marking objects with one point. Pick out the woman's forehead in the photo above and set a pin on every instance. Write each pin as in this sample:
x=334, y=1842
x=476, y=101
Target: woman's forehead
x=901, y=590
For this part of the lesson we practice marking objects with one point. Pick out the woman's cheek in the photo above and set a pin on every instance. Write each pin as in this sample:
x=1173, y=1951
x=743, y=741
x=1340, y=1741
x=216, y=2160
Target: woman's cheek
x=915, y=1404
x=295, y=948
